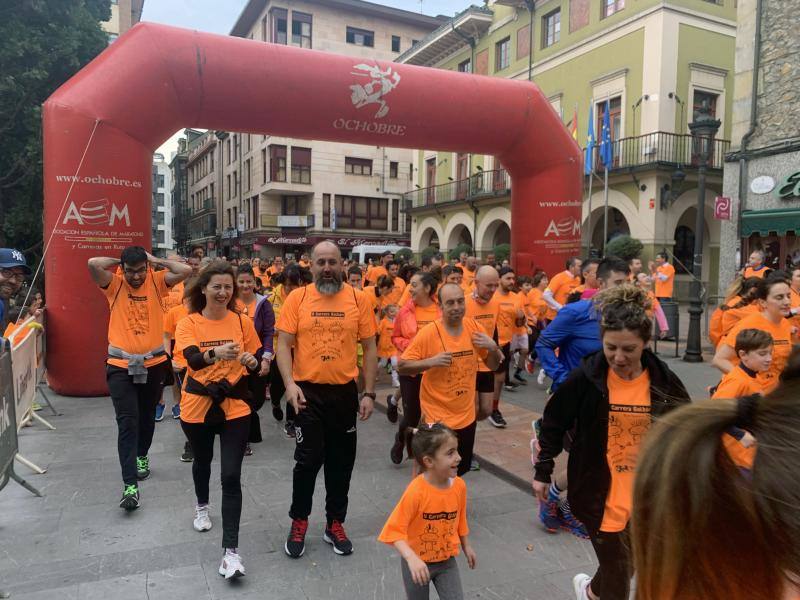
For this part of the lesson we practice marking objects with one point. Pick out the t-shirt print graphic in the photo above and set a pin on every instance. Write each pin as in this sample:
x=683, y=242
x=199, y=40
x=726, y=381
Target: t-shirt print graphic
x=458, y=375
x=626, y=427
x=138, y=315
x=327, y=335
x=435, y=540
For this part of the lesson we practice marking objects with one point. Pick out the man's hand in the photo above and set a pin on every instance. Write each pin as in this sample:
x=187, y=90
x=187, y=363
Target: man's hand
x=229, y=351
x=365, y=408
x=540, y=490
x=295, y=395
x=443, y=359
x=483, y=341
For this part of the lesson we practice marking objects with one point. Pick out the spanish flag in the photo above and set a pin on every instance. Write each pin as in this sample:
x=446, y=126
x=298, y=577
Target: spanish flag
x=574, y=129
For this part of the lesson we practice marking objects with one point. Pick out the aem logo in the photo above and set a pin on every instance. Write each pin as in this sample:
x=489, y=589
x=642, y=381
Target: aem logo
x=566, y=227
x=97, y=212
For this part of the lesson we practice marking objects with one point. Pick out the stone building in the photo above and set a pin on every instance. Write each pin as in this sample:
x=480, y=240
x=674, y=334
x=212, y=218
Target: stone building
x=161, y=207
x=124, y=15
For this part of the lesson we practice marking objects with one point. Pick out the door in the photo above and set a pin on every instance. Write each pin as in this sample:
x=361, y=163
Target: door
x=430, y=181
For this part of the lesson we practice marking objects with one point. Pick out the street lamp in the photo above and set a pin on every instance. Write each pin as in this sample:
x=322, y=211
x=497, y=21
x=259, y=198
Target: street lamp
x=703, y=129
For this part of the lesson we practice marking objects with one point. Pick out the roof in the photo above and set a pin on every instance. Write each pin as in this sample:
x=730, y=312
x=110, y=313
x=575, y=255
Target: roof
x=254, y=8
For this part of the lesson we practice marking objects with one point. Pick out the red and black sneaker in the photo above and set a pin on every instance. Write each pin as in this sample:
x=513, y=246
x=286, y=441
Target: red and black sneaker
x=296, y=542
x=336, y=537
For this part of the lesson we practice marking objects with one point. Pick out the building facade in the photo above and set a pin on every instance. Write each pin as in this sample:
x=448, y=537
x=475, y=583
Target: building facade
x=652, y=63
x=124, y=15
x=161, y=207
x=180, y=190
x=762, y=173
x=272, y=195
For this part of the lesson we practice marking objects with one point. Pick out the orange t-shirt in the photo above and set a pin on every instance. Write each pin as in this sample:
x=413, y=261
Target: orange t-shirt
x=395, y=295
x=715, y=326
x=386, y=348
x=327, y=330
x=732, y=316
x=562, y=285
x=507, y=316
x=374, y=273
x=468, y=278
x=431, y=520
x=425, y=315
x=795, y=296
x=175, y=296
x=537, y=304
x=665, y=288
x=628, y=422
x=736, y=384
x=136, y=323
x=782, y=339
x=486, y=315
x=171, y=319
x=196, y=330
x=248, y=309
x=751, y=272
x=447, y=394
x=304, y=263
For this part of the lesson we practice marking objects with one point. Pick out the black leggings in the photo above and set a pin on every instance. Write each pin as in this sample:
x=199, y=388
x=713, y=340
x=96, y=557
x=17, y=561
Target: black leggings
x=613, y=578
x=277, y=390
x=233, y=437
x=466, y=443
x=412, y=413
x=258, y=389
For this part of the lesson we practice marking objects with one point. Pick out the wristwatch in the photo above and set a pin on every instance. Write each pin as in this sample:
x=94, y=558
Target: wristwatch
x=371, y=395
x=212, y=355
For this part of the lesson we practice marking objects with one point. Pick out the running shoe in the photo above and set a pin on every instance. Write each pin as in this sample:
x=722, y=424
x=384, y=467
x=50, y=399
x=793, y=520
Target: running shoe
x=277, y=412
x=396, y=453
x=188, y=453
x=142, y=467
x=296, y=542
x=519, y=378
x=248, y=451
x=580, y=584
x=288, y=429
x=231, y=566
x=496, y=419
x=130, y=497
x=391, y=409
x=176, y=411
x=336, y=537
x=530, y=366
x=548, y=512
x=159, y=412
x=540, y=378
x=202, y=522
x=474, y=465
x=511, y=386
x=570, y=523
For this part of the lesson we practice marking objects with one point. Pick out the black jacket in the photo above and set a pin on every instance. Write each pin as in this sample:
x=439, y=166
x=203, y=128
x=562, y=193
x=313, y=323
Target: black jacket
x=581, y=402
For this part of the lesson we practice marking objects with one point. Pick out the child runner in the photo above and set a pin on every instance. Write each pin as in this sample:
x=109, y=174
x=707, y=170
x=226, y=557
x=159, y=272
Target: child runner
x=387, y=355
x=430, y=521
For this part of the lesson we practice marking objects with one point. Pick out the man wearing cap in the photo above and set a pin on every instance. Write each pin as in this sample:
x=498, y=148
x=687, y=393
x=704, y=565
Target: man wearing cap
x=13, y=270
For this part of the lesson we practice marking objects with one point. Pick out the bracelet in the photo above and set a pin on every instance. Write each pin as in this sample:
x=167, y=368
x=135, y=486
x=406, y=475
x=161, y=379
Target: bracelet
x=370, y=395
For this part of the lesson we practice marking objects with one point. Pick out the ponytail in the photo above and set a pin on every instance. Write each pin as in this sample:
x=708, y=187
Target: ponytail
x=426, y=441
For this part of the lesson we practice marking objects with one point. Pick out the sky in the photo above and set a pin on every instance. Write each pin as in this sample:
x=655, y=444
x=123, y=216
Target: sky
x=217, y=16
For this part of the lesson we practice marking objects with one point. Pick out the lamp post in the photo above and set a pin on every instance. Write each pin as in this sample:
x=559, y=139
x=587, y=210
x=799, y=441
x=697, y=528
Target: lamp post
x=703, y=128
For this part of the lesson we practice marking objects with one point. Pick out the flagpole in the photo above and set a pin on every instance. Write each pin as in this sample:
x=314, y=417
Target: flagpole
x=589, y=220
x=605, y=209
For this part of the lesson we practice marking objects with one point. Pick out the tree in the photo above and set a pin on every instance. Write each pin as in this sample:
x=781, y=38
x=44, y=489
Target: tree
x=501, y=252
x=624, y=247
x=404, y=254
x=456, y=252
x=42, y=44
x=429, y=251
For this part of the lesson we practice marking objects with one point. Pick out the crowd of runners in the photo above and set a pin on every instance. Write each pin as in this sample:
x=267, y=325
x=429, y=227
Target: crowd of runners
x=699, y=498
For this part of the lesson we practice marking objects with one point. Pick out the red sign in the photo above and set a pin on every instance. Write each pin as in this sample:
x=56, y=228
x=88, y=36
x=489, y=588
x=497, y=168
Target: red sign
x=722, y=208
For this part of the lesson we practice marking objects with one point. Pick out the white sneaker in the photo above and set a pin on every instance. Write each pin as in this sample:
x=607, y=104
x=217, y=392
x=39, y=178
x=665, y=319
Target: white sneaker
x=540, y=378
x=202, y=522
x=231, y=566
x=580, y=583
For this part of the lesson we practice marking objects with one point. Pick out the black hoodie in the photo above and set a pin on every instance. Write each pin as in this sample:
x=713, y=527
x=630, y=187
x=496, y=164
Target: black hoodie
x=581, y=403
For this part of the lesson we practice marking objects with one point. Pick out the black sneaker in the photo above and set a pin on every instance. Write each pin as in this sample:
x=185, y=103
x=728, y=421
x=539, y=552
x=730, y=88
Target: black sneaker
x=277, y=412
x=296, y=542
x=396, y=453
x=142, y=468
x=391, y=409
x=519, y=378
x=130, y=497
x=248, y=451
x=188, y=453
x=497, y=419
x=288, y=429
x=336, y=537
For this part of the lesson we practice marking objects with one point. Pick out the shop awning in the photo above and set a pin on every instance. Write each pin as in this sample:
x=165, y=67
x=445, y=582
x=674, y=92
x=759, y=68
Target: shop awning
x=765, y=222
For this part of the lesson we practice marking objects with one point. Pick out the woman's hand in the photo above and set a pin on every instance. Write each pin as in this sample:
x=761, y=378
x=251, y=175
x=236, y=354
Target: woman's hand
x=248, y=360
x=419, y=570
x=229, y=351
x=472, y=558
x=265, y=364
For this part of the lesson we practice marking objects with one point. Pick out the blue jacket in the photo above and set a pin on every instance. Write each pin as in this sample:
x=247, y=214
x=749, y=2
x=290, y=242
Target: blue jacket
x=576, y=333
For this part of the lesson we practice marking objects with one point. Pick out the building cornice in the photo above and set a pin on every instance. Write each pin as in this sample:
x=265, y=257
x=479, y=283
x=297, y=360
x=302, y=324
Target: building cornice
x=605, y=78
x=710, y=69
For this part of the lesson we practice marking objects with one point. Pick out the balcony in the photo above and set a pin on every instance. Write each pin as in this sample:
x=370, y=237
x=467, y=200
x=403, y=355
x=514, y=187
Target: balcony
x=296, y=221
x=485, y=184
x=659, y=149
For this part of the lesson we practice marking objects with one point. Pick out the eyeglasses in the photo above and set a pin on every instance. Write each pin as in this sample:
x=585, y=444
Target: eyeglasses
x=9, y=274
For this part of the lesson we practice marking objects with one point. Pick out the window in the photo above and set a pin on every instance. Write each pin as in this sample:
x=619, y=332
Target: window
x=615, y=120
x=699, y=98
x=263, y=165
x=301, y=165
x=159, y=199
x=612, y=6
x=279, y=18
x=254, y=202
x=159, y=218
x=235, y=219
x=246, y=138
x=292, y=205
x=228, y=180
x=229, y=218
x=235, y=183
x=395, y=213
x=361, y=213
x=160, y=235
x=393, y=170
x=228, y=150
x=247, y=175
x=357, y=166
x=395, y=43
x=551, y=28
x=360, y=37
x=211, y=167
x=277, y=163
x=159, y=181
x=465, y=66
x=326, y=210
x=502, y=54
x=301, y=29
x=235, y=146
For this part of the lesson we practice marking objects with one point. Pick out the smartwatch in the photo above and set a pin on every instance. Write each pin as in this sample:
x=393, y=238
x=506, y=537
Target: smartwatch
x=212, y=355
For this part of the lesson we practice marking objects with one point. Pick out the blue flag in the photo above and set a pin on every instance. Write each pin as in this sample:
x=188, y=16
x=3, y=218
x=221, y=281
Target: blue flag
x=588, y=159
x=606, y=152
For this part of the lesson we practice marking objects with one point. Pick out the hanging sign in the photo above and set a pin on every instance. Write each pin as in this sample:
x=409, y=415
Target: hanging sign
x=722, y=208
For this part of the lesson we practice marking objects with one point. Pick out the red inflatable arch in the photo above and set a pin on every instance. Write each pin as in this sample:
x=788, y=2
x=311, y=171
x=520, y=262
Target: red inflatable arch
x=102, y=126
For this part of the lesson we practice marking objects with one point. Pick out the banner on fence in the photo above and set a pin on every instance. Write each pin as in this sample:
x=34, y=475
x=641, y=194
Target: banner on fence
x=24, y=356
x=8, y=429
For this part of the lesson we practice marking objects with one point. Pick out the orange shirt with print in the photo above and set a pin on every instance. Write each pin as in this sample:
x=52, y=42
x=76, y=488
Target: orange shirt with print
x=782, y=339
x=537, y=304
x=395, y=295
x=386, y=348
x=327, y=329
x=374, y=273
x=171, y=320
x=628, y=422
x=196, y=330
x=736, y=384
x=715, y=331
x=426, y=314
x=486, y=316
x=430, y=519
x=732, y=316
x=506, y=317
x=664, y=288
x=136, y=323
x=371, y=297
x=562, y=285
x=447, y=394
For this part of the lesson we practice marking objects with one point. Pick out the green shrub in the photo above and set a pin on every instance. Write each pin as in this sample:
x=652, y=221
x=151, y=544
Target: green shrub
x=456, y=252
x=625, y=247
x=501, y=252
x=404, y=254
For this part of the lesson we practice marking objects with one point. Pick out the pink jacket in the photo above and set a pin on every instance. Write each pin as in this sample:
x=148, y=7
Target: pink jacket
x=405, y=326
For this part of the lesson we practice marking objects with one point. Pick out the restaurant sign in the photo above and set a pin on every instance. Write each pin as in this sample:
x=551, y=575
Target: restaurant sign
x=789, y=187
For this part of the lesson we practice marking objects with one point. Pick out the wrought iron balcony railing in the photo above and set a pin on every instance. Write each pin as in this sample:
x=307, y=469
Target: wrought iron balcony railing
x=484, y=184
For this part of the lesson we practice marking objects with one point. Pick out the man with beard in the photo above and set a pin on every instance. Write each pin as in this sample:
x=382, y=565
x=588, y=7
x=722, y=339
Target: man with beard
x=324, y=323
x=470, y=269
x=374, y=272
x=13, y=270
x=137, y=360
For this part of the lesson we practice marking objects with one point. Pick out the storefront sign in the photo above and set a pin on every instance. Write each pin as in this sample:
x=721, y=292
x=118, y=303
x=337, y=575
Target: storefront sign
x=762, y=185
x=722, y=208
x=342, y=242
x=789, y=187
